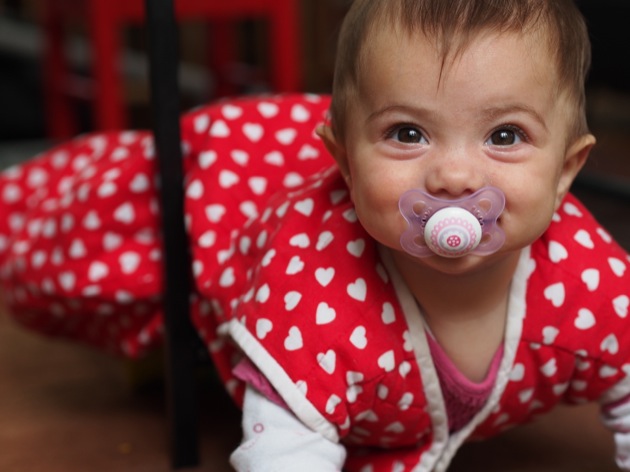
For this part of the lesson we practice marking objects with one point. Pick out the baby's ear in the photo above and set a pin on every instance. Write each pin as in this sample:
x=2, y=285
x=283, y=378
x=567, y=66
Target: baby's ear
x=574, y=160
x=336, y=149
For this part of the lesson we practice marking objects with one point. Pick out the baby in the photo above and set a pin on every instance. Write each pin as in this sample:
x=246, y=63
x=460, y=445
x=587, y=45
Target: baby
x=436, y=331
x=436, y=284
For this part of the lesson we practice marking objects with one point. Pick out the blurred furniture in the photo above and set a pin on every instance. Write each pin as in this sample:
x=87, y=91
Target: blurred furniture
x=180, y=337
x=106, y=18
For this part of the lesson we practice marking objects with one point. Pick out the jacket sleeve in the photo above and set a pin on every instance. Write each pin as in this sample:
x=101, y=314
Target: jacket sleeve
x=616, y=417
x=274, y=440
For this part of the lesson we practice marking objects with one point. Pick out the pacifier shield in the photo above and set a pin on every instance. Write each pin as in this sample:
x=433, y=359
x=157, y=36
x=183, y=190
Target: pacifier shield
x=452, y=228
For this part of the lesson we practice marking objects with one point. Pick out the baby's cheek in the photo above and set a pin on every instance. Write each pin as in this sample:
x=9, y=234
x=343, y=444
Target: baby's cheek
x=383, y=229
x=524, y=228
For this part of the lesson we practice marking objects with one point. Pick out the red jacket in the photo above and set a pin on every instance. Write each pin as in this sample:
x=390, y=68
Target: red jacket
x=323, y=314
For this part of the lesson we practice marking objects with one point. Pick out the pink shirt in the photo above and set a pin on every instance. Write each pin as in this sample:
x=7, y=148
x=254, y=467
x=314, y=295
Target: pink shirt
x=463, y=398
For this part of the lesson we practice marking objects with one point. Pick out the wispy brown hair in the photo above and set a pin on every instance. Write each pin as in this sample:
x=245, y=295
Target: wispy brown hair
x=452, y=23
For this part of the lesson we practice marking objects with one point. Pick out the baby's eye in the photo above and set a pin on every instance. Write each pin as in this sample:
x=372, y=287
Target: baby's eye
x=507, y=136
x=408, y=135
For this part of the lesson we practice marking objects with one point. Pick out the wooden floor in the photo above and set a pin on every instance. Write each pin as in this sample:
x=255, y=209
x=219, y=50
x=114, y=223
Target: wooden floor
x=64, y=408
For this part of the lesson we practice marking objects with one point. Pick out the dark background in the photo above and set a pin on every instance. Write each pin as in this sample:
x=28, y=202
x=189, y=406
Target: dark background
x=21, y=75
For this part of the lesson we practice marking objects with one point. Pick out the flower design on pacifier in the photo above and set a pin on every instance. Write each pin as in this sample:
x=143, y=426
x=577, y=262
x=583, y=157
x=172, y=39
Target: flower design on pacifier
x=452, y=228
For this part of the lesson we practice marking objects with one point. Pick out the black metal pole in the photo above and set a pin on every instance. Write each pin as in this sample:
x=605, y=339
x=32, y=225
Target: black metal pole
x=179, y=333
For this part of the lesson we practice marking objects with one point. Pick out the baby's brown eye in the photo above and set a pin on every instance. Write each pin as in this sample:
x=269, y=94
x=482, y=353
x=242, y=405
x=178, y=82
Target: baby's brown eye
x=504, y=137
x=409, y=135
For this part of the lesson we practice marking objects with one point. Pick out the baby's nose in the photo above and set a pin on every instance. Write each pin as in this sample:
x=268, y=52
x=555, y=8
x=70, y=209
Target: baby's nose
x=454, y=173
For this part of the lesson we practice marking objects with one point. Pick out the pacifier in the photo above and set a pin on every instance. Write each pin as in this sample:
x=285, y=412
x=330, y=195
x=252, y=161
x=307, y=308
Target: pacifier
x=452, y=228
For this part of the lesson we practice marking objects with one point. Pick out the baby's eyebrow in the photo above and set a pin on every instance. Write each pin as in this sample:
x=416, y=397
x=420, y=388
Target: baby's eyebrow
x=489, y=114
x=398, y=108
x=494, y=113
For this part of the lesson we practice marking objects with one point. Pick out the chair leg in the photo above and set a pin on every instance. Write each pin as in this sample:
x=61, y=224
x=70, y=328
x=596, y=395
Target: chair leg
x=181, y=338
x=60, y=119
x=222, y=53
x=180, y=359
x=109, y=107
x=286, y=60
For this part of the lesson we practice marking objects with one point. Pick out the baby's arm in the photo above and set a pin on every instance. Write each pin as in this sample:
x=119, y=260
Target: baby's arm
x=616, y=417
x=274, y=440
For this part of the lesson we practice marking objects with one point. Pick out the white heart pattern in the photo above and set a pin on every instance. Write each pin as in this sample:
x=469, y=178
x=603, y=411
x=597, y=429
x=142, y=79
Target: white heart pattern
x=325, y=314
x=518, y=373
x=388, y=316
x=296, y=265
x=356, y=247
x=550, y=368
x=98, y=271
x=324, y=275
x=125, y=213
x=332, y=403
x=618, y=266
x=585, y=319
x=291, y=300
x=386, y=361
x=327, y=361
x=300, y=240
x=610, y=344
x=358, y=337
x=294, y=340
x=555, y=293
x=324, y=240
x=621, y=304
x=584, y=238
x=550, y=333
x=591, y=278
x=557, y=252
x=358, y=290
x=305, y=207
x=263, y=328
x=254, y=132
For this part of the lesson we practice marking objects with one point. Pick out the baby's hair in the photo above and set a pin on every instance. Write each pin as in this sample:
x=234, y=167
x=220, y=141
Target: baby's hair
x=452, y=23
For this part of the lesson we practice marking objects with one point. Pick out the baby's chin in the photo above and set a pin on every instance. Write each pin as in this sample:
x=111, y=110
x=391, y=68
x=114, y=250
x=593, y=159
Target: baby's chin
x=471, y=264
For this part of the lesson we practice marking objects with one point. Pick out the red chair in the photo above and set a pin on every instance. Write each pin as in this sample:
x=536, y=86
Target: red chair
x=105, y=19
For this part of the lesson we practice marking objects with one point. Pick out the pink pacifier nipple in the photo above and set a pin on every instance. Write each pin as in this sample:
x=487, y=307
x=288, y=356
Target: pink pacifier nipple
x=452, y=228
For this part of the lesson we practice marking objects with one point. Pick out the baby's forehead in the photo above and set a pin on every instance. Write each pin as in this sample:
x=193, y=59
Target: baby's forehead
x=449, y=50
x=457, y=41
x=453, y=74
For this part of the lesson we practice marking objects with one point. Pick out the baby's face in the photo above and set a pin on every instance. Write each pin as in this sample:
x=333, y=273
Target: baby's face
x=492, y=117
